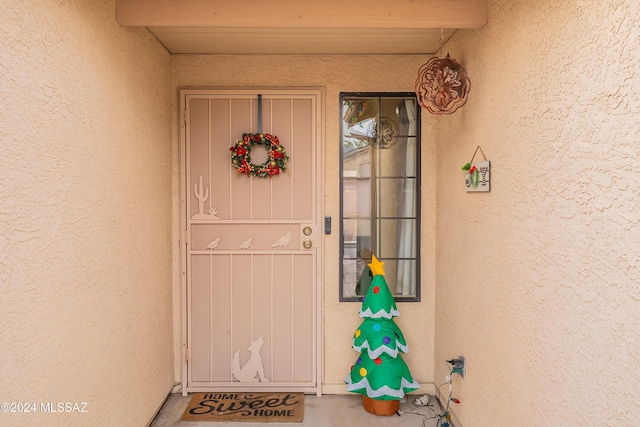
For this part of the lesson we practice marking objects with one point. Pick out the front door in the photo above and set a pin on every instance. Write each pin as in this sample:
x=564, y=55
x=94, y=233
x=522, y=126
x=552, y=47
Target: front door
x=251, y=311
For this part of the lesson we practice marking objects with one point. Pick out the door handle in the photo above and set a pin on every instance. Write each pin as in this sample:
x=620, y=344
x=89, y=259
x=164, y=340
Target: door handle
x=307, y=244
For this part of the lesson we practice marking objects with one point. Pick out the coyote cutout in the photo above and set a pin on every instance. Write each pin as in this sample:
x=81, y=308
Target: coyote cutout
x=253, y=367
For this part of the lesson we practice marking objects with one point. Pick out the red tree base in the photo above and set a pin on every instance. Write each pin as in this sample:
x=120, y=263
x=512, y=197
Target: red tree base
x=380, y=407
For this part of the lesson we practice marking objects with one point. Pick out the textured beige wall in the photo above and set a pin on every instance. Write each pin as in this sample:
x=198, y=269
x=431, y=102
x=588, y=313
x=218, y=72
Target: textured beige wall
x=336, y=74
x=538, y=281
x=85, y=214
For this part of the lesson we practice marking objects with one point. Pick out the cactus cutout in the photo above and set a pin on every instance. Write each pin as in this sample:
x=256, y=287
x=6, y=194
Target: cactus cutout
x=202, y=194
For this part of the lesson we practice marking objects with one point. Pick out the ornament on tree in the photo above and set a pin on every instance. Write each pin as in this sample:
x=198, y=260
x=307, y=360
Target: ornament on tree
x=380, y=373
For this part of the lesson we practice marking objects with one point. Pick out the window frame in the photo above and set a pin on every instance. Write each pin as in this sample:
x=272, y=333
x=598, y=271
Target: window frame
x=418, y=183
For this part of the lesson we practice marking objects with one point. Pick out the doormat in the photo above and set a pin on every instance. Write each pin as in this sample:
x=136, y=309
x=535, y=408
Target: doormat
x=246, y=407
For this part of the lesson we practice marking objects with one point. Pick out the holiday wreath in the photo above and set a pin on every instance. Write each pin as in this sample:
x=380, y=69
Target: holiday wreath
x=241, y=155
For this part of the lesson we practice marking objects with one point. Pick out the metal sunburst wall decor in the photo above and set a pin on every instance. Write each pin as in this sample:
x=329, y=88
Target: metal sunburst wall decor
x=442, y=85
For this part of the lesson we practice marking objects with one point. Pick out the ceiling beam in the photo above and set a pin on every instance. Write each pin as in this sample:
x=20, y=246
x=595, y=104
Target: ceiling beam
x=303, y=13
x=302, y=41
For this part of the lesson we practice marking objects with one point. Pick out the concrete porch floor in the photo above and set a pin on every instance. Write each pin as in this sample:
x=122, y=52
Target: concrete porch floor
x=319, y=411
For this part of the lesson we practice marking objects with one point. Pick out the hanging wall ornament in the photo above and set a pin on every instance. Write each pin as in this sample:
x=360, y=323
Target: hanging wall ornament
x=477, y=175
x=442, y=85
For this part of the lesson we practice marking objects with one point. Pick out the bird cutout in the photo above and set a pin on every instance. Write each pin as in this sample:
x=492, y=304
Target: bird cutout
x=213, y=213
x=254, y=366
x=283, y=241
x=247, y=243
x=213, y=245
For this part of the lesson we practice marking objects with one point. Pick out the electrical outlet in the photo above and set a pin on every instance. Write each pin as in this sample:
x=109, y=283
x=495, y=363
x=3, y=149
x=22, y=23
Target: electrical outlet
x=458, y=366
x=461, y=368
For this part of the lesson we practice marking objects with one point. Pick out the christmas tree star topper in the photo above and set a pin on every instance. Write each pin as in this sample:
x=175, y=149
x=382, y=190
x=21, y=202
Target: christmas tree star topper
x=376, y=266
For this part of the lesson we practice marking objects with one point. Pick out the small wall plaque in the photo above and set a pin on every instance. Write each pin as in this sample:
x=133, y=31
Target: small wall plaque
x=477, y=177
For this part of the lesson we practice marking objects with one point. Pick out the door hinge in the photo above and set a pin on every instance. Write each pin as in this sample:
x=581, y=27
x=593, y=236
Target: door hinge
x=185, y=116
x=186, y=354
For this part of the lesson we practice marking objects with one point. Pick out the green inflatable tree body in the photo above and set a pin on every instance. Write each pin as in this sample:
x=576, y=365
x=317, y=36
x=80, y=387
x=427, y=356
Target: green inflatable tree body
x=379, y=373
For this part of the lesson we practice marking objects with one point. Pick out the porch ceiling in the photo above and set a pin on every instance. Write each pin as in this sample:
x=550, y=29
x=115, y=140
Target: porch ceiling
x=302, y=27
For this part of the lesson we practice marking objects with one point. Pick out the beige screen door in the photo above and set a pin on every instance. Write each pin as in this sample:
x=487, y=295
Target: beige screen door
x=251, y=244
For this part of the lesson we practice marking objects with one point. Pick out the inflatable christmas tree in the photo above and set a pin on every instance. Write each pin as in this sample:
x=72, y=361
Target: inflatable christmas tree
x=380, y=374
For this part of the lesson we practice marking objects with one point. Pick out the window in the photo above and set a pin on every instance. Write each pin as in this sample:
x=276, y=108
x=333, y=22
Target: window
x=380, y=192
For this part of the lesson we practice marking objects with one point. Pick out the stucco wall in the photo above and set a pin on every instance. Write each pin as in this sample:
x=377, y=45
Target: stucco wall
x=335, y=74
x=85, y=214
x=537, y=281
